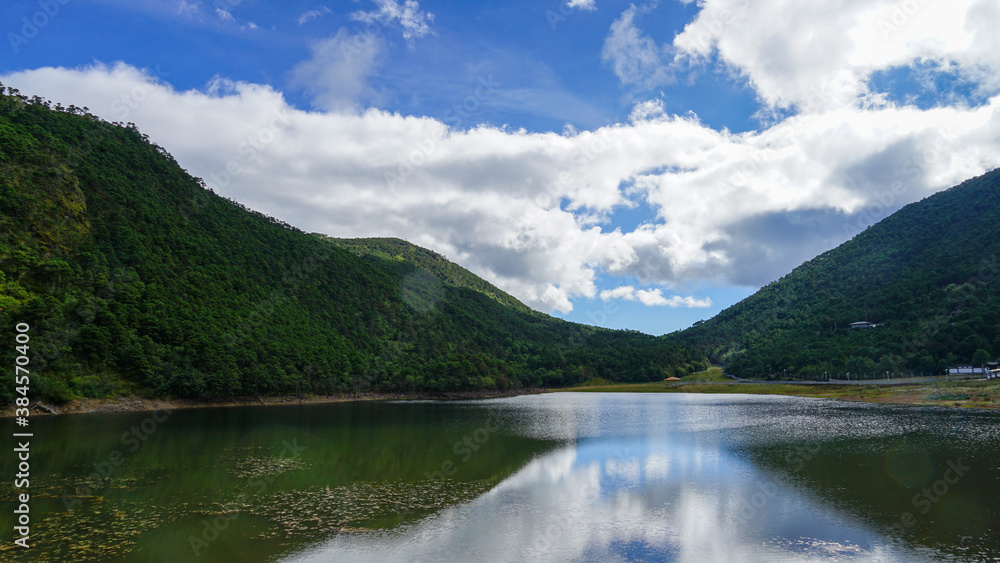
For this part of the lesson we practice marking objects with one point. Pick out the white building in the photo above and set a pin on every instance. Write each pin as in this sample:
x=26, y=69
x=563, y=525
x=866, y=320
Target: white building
x=966, y=370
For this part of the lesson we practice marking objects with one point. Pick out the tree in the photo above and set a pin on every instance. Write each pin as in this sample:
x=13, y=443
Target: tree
x=860, y=365
x=980, y=358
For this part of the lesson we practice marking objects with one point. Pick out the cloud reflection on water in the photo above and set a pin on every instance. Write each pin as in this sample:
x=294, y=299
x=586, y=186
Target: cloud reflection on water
x=643, y=493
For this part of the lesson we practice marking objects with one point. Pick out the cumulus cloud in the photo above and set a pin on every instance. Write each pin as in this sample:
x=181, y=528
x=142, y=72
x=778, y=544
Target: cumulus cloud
x=817, y=56
x=224, y=15
x=626, y=292
x=313, y=14
x=653, y=297
x=408, y=15
x=581, y=4
x=636, y=58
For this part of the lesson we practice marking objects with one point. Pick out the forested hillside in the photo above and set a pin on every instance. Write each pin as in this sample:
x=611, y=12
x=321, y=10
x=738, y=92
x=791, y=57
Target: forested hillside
x=135, y=278
x=928, y=276
x=438, y=269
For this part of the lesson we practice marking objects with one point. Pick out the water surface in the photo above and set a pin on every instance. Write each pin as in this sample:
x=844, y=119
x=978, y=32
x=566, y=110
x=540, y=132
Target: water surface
x=568, y=477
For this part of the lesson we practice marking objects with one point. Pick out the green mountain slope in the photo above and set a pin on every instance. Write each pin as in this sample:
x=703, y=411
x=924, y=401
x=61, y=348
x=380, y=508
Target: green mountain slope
x=134, y=278
x=440, y=269
x=928, y=275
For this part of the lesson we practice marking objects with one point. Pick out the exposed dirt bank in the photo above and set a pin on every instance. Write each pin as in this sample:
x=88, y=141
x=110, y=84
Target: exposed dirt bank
x=139, y=404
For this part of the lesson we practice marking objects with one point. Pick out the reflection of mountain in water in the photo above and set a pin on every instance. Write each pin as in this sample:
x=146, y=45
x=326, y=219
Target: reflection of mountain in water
x=670, y=479
x=265, y=479
x=602, y=500
x=929, y=480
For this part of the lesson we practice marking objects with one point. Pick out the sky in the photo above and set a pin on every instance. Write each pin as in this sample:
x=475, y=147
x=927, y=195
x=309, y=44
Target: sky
x=630, y=165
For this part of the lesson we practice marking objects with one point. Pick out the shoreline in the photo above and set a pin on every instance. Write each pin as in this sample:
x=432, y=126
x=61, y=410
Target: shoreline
x=956, y=394
x=966, y=393
x=141, y=404
x=981, y=394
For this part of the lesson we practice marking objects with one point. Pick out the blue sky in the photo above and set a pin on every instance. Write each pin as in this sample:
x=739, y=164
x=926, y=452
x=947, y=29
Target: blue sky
x=544, y=55
x=633, y=165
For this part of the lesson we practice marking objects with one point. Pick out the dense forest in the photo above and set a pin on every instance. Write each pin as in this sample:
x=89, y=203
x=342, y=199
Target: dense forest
x=928, y=276
x=136, y=279
x=433, y=269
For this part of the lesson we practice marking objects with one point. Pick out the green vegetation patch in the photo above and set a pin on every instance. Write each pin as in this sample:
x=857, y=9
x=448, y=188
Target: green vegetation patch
x=948, y=397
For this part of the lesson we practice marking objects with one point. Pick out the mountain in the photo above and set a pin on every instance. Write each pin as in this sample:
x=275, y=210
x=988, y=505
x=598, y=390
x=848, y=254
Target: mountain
x=438, y=268
x=136, y=279
x=928, y=276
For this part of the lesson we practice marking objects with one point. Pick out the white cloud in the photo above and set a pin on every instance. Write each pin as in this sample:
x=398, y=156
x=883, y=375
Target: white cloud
x=581, y=4
x=523, y=209
x=653, y=297
x=647, y=110
x=635, y=58
x=415, y=23
x=818, y=56
x=626, y=292
x=224, y=15
x=313, y=14
x=336, y=76
x=249, y=25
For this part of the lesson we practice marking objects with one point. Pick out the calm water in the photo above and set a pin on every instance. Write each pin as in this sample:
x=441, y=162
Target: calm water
x=562, y=477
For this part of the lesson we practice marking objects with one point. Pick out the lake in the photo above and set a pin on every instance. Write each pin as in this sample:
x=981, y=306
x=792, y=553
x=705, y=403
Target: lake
x=556, y=477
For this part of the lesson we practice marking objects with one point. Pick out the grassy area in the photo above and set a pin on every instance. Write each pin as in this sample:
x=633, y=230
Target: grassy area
x=981, y=394
x=710, y=375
